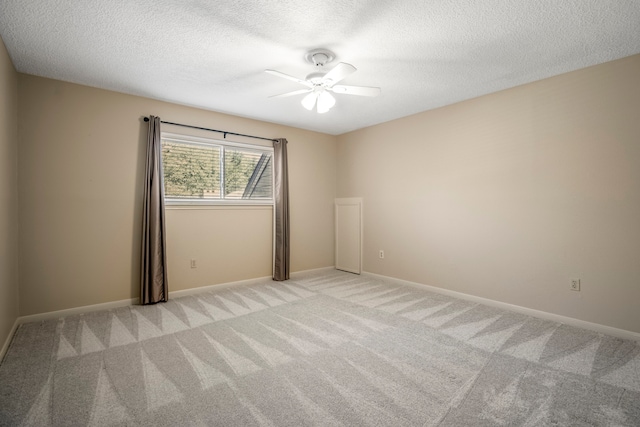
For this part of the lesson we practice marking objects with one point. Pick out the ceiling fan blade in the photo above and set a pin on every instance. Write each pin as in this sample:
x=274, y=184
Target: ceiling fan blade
x=295, y=92
x=356, y=90
x=338, y=73
x=288, y=77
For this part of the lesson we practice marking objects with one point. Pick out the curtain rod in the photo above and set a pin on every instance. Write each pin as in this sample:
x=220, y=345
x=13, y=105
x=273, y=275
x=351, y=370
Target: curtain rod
x=146, y=119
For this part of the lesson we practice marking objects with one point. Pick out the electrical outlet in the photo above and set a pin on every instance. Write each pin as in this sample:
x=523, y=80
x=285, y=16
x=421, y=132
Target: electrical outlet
x=193, y=263
x=575, y=285
x=381, y=254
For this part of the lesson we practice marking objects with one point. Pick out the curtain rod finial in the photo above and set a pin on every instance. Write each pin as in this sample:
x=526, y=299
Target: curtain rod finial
x=146, y=119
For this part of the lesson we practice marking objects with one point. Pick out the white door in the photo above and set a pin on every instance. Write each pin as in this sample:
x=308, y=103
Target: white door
x=348, y=220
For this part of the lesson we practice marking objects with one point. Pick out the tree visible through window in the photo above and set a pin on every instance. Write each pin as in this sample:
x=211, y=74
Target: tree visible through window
x=196, y=171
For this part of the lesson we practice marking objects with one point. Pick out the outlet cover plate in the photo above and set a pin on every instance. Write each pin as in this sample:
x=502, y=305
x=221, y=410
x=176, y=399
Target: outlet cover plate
x=575, y=285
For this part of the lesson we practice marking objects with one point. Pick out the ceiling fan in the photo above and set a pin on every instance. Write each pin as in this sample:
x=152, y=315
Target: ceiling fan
x=319, y=84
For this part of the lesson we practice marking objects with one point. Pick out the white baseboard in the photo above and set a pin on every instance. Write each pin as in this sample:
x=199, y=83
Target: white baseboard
x=596, y=327
x=134, y=301
x=201, y=289
x=312, y=270
x=7, y=341
x=621, y=333
x=77, y=310
x=195, y=291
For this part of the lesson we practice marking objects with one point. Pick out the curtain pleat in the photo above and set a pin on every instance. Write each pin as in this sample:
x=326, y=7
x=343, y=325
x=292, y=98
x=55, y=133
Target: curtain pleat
x=153, y=284
x=281, y=190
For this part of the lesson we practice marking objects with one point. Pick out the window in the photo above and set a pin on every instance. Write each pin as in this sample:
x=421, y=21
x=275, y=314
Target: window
x=207, y=171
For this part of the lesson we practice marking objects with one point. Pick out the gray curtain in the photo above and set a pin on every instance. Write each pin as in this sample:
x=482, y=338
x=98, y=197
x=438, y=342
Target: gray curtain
x=153, y=284
x=281, y=190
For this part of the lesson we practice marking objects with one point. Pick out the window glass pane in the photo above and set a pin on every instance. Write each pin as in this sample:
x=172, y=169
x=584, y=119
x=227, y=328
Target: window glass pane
x=247, y=174
x=200, y=170
x=191, y=171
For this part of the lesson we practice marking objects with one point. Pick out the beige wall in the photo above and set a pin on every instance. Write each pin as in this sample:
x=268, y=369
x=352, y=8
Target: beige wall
x=8, y=194
x=80, y=181
x=510, y=195
x=506, y=196
x=236, y=245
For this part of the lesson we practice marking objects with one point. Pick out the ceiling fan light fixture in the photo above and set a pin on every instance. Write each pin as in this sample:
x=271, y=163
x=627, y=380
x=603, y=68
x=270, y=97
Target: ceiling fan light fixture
x=309, y=101
x=325, y=102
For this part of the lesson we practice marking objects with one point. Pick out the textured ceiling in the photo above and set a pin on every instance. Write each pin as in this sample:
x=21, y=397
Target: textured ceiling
x=212, y=53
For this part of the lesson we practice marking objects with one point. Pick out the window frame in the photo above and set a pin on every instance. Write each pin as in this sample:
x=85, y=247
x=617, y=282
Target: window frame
x=211, y=142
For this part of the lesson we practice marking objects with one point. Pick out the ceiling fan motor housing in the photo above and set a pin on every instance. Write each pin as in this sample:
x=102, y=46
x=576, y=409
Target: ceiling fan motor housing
x=315, y=78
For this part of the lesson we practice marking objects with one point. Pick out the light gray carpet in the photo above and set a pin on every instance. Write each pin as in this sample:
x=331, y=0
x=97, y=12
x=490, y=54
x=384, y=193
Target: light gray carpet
x=323, y=349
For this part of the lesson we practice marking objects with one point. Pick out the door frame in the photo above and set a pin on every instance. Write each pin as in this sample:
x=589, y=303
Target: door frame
x=348, y=201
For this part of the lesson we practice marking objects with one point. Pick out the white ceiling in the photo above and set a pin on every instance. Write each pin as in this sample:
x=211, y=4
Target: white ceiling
x=212, y=53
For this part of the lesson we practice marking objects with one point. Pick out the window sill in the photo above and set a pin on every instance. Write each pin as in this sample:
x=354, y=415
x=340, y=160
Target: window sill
x=218, y=206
